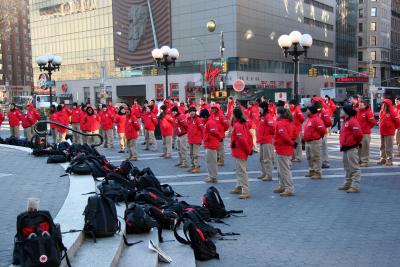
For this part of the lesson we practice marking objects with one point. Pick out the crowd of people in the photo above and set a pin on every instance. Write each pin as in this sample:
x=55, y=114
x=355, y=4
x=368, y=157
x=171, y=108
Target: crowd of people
x=275, y=131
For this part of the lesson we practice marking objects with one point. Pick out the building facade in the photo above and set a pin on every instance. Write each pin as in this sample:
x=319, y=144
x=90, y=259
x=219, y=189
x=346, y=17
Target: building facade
x=15, y=50
x=117, y=37
x=395, y=41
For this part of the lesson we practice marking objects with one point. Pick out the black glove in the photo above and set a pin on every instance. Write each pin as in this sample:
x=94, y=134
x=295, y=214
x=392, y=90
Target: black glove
x=233, y=145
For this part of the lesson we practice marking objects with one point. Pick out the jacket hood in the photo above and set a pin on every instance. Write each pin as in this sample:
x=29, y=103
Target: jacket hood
x=388, y=102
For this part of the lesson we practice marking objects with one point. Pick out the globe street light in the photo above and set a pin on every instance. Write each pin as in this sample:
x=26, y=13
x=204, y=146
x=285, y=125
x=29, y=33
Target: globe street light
x=295, y=38
x=165, y=56
x=49, y=63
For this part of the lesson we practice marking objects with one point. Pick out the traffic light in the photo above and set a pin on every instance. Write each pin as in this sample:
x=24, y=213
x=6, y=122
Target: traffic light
x=225, y=67
x=372, y=72
x=154, y=72
x=313, y=72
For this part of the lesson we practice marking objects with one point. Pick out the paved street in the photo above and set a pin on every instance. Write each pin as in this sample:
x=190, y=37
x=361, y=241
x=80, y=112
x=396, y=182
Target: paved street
x=23, y=176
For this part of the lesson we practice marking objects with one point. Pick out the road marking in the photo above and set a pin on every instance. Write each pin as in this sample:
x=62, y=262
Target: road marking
x=378, y=174
x=5, y=174
x=257, y=172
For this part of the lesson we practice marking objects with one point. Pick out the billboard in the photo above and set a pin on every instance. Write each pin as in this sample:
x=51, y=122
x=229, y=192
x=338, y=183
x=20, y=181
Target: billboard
x=140, y=26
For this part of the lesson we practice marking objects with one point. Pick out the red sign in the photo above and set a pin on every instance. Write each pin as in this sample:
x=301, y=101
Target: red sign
x=64, y=87
x=159, y=91
x=352, y=80
x=211, y=75
x=238, y=85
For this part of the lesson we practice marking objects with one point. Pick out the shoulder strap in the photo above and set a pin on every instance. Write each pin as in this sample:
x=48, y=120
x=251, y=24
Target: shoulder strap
x=177, y=236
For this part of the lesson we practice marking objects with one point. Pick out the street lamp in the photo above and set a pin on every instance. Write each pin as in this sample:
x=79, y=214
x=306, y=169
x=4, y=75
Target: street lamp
x=295, y=38
x=49, y=63
x=165, y=56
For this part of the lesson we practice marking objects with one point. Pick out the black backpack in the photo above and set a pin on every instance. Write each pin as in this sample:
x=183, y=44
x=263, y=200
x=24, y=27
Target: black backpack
x=38, y=241
x=165, y=218
x=137, y=220
x=118, y=188
x=100, y=217
x=154, y=197
x=147, y=179
x=182, y=206
x=57, y=159
x=204, y=249
x=213, y=202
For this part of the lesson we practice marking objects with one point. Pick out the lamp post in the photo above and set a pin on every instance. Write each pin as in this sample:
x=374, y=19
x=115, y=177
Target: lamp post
x=49, y=63
x=205, y=64
x=165, y=56
x=296, y=39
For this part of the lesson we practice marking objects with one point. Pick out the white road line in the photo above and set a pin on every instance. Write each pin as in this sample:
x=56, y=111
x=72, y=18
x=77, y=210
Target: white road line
x=257, y=172
x=295, y=178
x=5, y=174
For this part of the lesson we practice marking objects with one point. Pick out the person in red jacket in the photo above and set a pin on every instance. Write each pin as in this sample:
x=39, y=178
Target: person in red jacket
x=324, y=114
x=155, y=107
x=367, y=121
x=106, y=122
x=62, y=118
x=181, y=128
x=223, y=126
x=195, y=138
x=82, y=125
x=350, y=140
x=265, y=133
x=92, y=124
x=285, y=136
x=166, y=127
x=14, y=119
x=132, y=128
x=397, y=102
x=30, y=117
x=314, y=131
x=52, y=117
x=120, y=121
x=388, y=123
x=272, y=107
x=330, y=104
x=76, y=114
x=241, y=147
x=253, y=117
x=298, y=119
x=212, y=137
x=150, y=122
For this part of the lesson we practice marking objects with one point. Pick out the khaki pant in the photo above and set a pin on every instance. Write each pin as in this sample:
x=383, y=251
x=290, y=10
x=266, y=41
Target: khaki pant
x=386, y=147
x=285, y=173
x=313, y=154
x=84, y=138
x=61, y=137
x=108, y=138
x=352, y=168
x=146, y=138
x=151, y=142
x=254, y=135
x=132, y=148
x=194, y=155
x=211, y=160
x=122, y=141
x=298, y=151
x=241, y=174
x=175, y=144
x=324, y=150
x=76, y=136
x=266, y=158
x=398, y=140
x=363, y=152
x=14, y=131
x=53, y=135
x=221, y=151
x=92, y=139
x=28, y=133
x=183, y=146
x=167, y=145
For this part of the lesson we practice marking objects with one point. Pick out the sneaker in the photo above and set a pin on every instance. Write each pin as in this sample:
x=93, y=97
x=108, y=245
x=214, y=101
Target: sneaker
x=279, y=190
x=325, y=166
x=221, y=163
x=244, y=196
x=211, y=180
x=261, y=177
x=309, y=174
x=364, y=165
x=286, y=194
x=167, y=157
x=121, y=151
x=236, y=190
x=178, y=164
x=184, y=166
x=316, y=176
x=352, y=190
x=344, y=187
x=196, y=170
x=381, y=162
x=389, y=163
x=266, y=178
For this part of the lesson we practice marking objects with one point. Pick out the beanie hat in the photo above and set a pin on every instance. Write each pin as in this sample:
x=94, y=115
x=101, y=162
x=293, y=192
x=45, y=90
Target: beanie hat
x=349, y=110
x=204, y=113
x=313, y=109
x=192, y=109
x=318, y=105
x=175, y=108
x=237, y=112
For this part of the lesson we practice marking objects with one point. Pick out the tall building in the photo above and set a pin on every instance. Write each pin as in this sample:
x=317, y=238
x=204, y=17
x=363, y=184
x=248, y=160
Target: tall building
x=118, y=36
x=395, y=41
x=15, y=49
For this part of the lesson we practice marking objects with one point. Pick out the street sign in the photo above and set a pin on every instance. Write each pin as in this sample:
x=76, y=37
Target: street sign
x=50, y=83
x=239, y=85
x=339, y=75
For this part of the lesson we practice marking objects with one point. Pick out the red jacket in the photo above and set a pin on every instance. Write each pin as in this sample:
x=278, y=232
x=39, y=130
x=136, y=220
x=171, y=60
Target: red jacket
x=166, y=125
x=136, y=110
x=254, y=115
x=285, y=136
x=155, y=109
x=33, y=114
x=195, y=130
x=132, y=127
x=266, y=129
x=325, y=116
x=212, y=136
x=62, y=118
x=182, y=108
x=298, y=117
x=350, y=134
x=149, y=120
x=1, y=118
x=106, y=120
x=241, y=140
x=388, y=121
x=272, y=108
x=112, y=109
x=82, y=121
x=92, y=123
x=331, y=105
x=120, y=120
x=229, y=111
x=26, y=122
x=366, y=119
x=52, y=117
x=76, y=115
x=180, y=125
x=14, y=117
x=221, y=120
x=314, y=128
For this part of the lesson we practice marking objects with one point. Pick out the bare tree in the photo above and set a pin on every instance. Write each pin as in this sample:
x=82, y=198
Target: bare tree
x=8, y=13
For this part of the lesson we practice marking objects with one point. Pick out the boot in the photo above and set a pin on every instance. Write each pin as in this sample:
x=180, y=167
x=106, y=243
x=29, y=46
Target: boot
x=344, y=187
x=389, y=163
x=353, y=190
x=316, y=176
x=183, y=166
x=167, y=156
x=236, y=190
x=261, y=176
x=286, y=194
x=309, y=174
x=191, y=169
x=381, y=162
x=279, y=190
x=267, y=178
x=196, y=170
x=211, y=180
x=221, y=163
x=178, y=164
x=244, y=196
x=364, y=165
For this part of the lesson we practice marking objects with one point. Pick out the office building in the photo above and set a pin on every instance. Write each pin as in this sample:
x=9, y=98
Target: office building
x=395, y=41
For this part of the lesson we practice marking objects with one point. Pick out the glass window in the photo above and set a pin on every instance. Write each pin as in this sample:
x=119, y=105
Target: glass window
x=373, y=26
x=373, y=55
x=360, y=56
x=373, y=11
x=373, y=40
x=360, y=13
x=360, y=42
x=360, y=27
